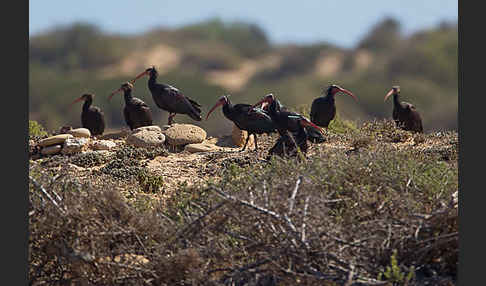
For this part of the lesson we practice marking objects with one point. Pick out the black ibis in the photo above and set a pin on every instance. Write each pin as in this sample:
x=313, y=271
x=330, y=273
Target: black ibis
x=285, y=145
x=314, y=134
x=92, y=117
x=169, y=98
x=323, y=108
x=404, y=114
x=136, y=112
x=293, y=122
x=287, y=120
x=253, y=120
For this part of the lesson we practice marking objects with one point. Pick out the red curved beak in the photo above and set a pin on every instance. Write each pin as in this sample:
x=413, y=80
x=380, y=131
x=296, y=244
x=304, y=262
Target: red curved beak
x=220, y=102
x=139, y=76
x=308, y=123
x=114, y=92
x=76, y=100
x=348, y=93
x=388, y=94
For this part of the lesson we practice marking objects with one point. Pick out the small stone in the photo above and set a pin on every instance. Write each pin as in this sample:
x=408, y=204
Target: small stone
x=201, y=147
x=57, y=139
x=239, y=137
x=80, y=132
x=49, y=150
x=147, y=128
x=75, y=145
x=103, y=145
x=146, y=139
x=182, y=134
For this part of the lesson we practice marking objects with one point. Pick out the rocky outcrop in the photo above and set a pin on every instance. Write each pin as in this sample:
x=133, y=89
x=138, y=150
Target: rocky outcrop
x=75, y=145
x=146, y=138
x=201, y=147
x=103, y=145
x=182, y=134
x=147, y=128
x=52, y=149
x=80, y=132
x=57, y=139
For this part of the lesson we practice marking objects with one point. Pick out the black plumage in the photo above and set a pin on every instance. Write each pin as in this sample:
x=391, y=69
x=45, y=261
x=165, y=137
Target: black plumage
x=169, y=98
x=323, y=109
x=253, y=120
x=287, y=121
x=404, y=114
x=286, y=144
x=92, y=117
x=135, y=112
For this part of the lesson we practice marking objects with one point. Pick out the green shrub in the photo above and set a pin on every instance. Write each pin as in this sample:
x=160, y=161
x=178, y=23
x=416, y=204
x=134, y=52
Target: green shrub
x=36, y=130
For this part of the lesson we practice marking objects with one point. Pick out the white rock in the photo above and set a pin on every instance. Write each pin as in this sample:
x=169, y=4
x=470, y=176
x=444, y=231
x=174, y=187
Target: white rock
x=201, y=147
x=75, y=145
x=146, y=139
x=49, y=150
x=58, y=139
x=182, y=134
x=80, y=132
x=103, y=145
x=147, y=128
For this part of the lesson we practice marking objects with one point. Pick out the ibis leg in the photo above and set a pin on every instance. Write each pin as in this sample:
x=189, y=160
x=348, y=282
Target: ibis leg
x=247, y=138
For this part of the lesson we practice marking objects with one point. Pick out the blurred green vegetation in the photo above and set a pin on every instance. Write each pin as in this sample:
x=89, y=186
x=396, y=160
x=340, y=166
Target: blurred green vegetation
x=70, y=60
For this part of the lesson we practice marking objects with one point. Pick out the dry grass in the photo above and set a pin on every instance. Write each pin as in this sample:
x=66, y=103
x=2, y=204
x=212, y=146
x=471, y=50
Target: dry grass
x=382, y=214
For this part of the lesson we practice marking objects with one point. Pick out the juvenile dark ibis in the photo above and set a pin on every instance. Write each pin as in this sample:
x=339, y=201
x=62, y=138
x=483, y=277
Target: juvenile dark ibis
x=92, y=117
x=405, y=114
x=323, y=108
x=253, y=120
x=136, y=112
x=169, y=98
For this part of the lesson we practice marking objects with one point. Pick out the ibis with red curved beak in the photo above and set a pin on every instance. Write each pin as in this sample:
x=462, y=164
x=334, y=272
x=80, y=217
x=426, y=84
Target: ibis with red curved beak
x=323, y=109
x=253, y=120
x=404, y=114
x=136, y=112
x=169, y=98
x=92, y=117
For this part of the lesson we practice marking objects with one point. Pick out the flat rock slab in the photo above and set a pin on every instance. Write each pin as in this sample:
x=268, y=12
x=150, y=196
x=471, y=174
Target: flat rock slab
x=146, y=139
x=57, y=139
x=80, y=132
x=147, y=128
x=201, y=147
x=75, y=145
x=182, y=134
x=103, y=145
x=53, y=149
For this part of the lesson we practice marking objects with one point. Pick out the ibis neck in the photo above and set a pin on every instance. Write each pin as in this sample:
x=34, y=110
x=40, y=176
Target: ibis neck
x=152, y=80
x=227, y=108
x=87, y=103
x=330, y=97
x=396, y=100
x=128, y=96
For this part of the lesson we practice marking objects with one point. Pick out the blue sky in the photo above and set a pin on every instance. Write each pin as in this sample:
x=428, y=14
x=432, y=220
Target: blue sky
x=341, y=22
